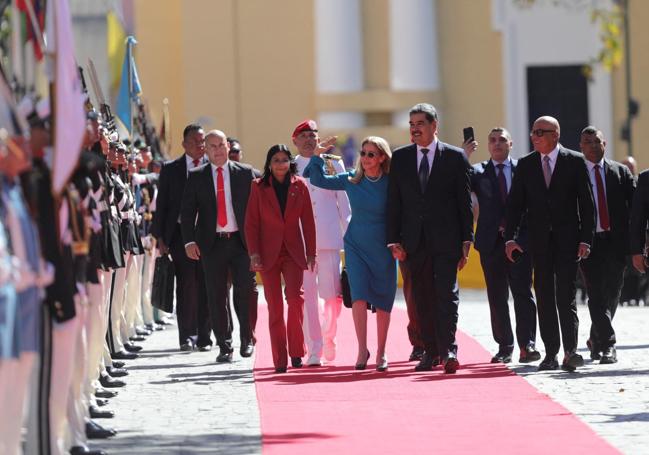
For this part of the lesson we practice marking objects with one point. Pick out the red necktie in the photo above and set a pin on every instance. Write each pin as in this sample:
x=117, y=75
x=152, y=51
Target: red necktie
x=222, y=215
x=601, y=201
x=196, y=161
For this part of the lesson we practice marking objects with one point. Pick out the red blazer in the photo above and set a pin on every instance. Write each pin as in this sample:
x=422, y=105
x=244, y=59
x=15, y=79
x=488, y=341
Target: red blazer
x=266, y=229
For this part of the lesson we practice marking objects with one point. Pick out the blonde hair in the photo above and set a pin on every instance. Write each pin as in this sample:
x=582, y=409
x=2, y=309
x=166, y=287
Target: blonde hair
x=383, y=147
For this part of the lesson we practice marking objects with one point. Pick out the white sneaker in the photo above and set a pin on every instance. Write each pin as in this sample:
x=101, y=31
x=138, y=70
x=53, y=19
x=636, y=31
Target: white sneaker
x=313, y=361
x=329, y=350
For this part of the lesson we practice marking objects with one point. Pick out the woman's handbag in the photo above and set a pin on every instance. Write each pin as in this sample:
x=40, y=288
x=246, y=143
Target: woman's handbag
x=347, y=292
x=162, y=289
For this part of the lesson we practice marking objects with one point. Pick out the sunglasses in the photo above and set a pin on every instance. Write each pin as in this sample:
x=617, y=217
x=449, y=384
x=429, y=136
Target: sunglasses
x=368, y=154
x=540, y=132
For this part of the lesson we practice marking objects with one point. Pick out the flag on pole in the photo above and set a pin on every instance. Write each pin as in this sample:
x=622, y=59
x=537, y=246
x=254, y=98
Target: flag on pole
x=115, y=41
x=69, y=114
x=165, y=130
x=128, y=91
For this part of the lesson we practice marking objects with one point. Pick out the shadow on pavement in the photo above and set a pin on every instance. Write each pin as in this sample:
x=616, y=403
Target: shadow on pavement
x=214, y=443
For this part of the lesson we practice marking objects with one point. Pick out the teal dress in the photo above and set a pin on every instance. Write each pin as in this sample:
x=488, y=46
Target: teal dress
x=371, y=269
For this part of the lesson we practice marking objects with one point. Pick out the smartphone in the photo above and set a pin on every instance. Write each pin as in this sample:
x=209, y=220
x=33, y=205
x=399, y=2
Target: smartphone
x=468, y=133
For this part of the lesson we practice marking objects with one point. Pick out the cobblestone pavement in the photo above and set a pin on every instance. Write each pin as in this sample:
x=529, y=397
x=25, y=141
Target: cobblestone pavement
x=182, y=403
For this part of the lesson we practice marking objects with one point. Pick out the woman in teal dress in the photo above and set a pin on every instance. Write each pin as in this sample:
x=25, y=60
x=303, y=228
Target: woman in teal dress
x=370, y=266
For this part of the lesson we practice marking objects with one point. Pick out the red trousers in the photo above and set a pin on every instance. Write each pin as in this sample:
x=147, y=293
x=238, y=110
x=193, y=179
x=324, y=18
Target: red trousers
x=292, y=330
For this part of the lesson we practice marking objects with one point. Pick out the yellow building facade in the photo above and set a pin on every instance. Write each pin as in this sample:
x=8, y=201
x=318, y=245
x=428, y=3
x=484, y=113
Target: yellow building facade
x=256, y=68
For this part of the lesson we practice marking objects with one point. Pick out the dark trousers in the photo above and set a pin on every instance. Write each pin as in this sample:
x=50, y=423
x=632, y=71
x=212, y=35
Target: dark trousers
x=191, y=300
x=434, y=287
x=228, y=256
x=501, y=275
x=555, y=273
x=603, y=273
x=414, y=332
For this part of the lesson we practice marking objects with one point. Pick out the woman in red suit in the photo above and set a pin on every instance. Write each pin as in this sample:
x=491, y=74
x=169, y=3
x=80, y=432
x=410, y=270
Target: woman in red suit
x=279, y=205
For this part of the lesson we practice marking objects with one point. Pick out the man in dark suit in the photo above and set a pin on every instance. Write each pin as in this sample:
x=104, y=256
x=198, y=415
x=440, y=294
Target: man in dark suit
x=639, y=218
x=491, y=181
x=551, y=187
x=430, y=224
x=191, y=299
x=212, y=217
x=613, y=186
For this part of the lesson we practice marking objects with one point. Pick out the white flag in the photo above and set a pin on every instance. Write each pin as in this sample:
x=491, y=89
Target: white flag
x=69, y=111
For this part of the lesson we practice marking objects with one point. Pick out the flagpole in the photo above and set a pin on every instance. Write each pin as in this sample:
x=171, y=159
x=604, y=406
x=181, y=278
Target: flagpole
x=129, y=53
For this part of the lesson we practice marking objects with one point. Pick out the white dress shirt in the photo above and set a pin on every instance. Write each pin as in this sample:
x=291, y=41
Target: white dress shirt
x=190, y=162
x=430, y=156
x=507, y=170
x=593, y=184
x=231, y=225
x=553, y=158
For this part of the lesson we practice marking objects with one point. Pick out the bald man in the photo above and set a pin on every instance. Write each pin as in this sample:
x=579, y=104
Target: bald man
x=552, y=188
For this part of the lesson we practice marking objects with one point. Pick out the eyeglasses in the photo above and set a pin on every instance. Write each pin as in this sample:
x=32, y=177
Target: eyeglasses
x=539, y=132
x=368, y=154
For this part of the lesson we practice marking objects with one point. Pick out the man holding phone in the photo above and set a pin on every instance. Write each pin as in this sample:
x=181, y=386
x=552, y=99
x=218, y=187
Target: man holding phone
x=491, y=182
x=551, y=186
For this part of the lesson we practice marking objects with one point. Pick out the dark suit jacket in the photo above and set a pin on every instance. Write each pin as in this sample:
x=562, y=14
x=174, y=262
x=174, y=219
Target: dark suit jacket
x=199, y=209
x=566, y=208
x=620, y=186
x=267, y=229
x=171, y=186
x=484, y=183
x=639, y=215
x=442, y=213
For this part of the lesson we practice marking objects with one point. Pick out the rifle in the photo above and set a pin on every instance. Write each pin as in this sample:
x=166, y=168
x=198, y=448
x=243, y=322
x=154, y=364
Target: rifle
x=104, y=108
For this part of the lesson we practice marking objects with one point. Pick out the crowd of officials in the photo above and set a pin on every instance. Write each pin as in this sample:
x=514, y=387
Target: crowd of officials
x=76, y=270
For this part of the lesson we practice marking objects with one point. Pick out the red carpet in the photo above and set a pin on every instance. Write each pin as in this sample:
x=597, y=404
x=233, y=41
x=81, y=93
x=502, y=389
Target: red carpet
x=334, y=409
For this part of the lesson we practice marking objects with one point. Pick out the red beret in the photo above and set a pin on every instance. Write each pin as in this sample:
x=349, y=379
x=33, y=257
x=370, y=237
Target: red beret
x=306, y=125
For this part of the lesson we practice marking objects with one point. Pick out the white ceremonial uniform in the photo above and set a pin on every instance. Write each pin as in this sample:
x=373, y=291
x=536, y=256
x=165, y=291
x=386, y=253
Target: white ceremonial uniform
x=332, y=213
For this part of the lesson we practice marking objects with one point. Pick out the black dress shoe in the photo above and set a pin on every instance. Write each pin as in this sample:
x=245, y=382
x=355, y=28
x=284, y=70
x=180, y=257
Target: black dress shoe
x=502, y=357
x=427, y=362
x=143, y=332
x=549, y=363
x=118, y=364
x=529, y=354
x=187, y=347
x=246, y=350
x=224, y=356
x=572, y=361
x=130, y=347
x=296, y=362
x=101, y=402
x=96, y=413
x=137, y=338
x=103, y=393
x=163, y=322
x=123, y=355
x=206, y=348
x=452, y=364
x=116, y=372
x=594, y=353
x=608, y=356
x=81, y=450
x=417, y=352
x=96, y=431
x=280, y=370
x=109, y=383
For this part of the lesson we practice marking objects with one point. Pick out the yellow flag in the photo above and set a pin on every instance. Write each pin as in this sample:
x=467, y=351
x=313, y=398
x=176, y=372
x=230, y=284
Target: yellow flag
x=116, y=48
